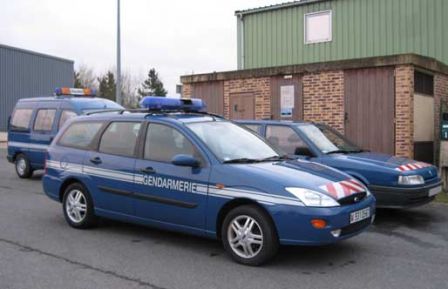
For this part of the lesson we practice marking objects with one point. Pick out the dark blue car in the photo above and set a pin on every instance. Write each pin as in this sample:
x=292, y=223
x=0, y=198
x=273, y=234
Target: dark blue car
x=396, y=182
x=176, y=168
x=35, y=122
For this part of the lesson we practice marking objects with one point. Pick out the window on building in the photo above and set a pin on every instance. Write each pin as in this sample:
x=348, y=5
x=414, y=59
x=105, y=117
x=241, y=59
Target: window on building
x=44, y=119
x=21, y=119
x=66, y=115
x=163, y=143
x=318, y=27
x=120, y=138
x=287, y=140
x=80, y=135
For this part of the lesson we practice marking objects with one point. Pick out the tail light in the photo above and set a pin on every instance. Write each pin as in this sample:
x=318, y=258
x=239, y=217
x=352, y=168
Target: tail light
x=45, y=163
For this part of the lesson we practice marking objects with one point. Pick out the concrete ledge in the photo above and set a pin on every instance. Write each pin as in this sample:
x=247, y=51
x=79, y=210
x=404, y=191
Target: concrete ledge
x=423, y=62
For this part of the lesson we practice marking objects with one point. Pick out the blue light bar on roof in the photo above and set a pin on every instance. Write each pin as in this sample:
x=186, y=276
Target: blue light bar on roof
x=173, y=104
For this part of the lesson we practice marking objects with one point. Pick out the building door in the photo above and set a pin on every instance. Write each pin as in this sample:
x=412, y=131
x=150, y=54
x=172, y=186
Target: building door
x=242, y=106
x=212, y=93
x=370, y=108
x=286, y=101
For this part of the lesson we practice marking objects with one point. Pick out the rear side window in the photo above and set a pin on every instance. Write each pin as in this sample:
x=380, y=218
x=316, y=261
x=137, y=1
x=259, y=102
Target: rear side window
x=253, y=127
x=44, y=119
x=120, y=138
x=66, y=115
x=164, y=142
x=21, y=119
x=80, y=135
x=286, y=139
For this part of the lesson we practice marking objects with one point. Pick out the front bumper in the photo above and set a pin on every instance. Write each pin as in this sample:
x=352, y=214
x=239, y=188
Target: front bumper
x=294, y=223
x=10, y=158
x=402, y=197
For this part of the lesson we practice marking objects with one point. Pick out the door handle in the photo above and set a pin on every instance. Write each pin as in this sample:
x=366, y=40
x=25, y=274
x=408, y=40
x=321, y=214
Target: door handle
x=148, y=170
x=96, y=160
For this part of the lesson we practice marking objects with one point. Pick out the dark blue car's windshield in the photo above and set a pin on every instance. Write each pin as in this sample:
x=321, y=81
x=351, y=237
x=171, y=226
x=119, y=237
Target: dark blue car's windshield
x=326, y=140
x=232, y=143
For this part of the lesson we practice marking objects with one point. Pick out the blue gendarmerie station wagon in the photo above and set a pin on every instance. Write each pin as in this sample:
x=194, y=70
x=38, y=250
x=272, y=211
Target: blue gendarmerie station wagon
x=35, y=122
x=396, y=182
x=174, y=167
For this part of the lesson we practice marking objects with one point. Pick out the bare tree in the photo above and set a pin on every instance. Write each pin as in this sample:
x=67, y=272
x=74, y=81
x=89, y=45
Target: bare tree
x=85, y=77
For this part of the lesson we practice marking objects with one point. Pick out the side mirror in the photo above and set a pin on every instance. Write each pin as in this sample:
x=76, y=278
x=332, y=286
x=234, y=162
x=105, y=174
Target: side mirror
x=303, y=151
x=185, y=161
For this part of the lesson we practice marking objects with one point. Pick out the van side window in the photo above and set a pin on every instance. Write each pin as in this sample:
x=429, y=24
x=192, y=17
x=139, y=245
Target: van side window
x=21, y=119
x=120, y=138
x=44, y=119
x=164, y=142
x=80, y=135
x=287, y=139
x=66, y=115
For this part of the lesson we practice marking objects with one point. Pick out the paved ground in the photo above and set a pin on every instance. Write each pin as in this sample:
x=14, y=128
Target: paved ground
x=407, y=249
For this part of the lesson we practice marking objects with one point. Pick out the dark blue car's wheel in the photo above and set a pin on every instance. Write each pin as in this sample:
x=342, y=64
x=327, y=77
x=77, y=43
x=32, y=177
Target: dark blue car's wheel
x=23, y=167
x=249, y=235
x=78, y=207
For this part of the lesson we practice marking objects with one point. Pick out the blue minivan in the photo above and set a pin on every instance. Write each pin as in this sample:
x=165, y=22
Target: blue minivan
x=35, y=121
x=396, y=182
x=176, y=168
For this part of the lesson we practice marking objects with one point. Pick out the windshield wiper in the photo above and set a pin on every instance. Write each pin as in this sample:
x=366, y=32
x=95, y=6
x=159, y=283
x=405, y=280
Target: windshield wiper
x=275, y=158
x=338, y=152
x=241, y=161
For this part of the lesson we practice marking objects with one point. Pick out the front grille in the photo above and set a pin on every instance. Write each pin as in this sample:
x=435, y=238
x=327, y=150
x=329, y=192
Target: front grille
x=355, y=227
x=352, y=199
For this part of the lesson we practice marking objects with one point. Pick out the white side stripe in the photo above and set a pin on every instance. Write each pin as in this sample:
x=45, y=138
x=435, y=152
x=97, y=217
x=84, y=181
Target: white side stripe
x=27, y=145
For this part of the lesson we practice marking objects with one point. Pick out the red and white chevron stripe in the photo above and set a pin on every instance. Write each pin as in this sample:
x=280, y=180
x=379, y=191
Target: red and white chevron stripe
x=344, y=188
x=412, y=166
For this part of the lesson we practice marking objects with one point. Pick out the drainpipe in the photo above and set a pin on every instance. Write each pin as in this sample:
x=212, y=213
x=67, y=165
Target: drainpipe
x=240, y=33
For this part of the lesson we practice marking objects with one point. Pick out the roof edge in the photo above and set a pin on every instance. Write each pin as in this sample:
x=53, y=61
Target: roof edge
x=276, y=7
x=420, y=61
x=36, y=53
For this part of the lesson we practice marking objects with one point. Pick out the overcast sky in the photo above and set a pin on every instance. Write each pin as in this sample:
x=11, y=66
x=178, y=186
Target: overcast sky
x=176, y=37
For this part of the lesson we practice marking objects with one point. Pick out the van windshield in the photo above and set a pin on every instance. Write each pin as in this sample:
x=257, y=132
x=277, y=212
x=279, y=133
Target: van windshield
x=231, y=143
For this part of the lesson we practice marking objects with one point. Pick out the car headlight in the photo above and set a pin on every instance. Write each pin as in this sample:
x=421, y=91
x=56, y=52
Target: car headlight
x=312, y=198
x=411, y=180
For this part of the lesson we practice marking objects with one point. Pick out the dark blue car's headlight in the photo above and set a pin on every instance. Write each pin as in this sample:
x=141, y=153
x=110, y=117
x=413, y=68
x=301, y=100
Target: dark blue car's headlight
x=411, y=180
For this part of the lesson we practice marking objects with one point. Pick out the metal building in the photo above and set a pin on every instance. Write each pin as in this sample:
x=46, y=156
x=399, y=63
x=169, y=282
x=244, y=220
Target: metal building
x=343, y=29
x=25, y=73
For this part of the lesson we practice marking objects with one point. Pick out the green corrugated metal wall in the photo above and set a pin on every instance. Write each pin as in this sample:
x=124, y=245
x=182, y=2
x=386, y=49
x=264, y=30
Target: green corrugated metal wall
x=361, y=28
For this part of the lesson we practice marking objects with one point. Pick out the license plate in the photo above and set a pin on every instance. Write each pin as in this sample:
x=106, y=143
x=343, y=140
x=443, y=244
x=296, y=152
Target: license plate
x=360, y=215
x=435, y=191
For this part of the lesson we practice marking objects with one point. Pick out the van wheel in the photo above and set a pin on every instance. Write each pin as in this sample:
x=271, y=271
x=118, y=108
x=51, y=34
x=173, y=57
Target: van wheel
x=23, y=167
x=77, y=206
x=249, y=236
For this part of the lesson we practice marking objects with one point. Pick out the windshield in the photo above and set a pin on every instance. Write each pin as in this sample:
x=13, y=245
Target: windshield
x=327, y=141
x=231, y=143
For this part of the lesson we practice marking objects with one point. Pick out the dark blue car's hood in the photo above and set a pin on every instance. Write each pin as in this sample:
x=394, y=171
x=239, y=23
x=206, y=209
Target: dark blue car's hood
x=382, y=160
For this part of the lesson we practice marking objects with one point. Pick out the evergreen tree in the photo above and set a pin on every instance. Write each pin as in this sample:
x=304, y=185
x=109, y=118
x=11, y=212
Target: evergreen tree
x=152, y=85
x=107, y=86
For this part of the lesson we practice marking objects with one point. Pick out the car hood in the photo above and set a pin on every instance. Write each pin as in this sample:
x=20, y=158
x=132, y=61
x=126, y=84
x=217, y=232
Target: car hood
x=274, y=177
x=382, y=163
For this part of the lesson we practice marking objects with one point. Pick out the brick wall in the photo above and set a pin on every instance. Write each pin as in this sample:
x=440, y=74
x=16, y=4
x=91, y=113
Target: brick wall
x=260, y=88
x=404, y=110
x=323, y=98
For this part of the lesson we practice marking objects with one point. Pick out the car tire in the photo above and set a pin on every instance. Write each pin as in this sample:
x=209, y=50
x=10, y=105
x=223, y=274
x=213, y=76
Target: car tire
x=249, y=235
x=23, y=166
x=77, y=206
